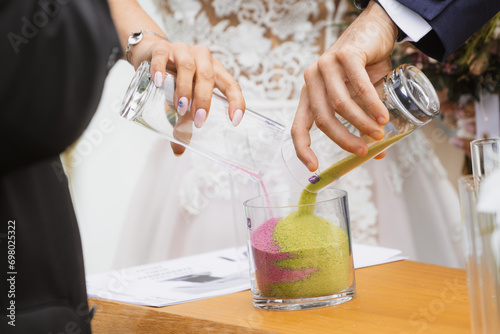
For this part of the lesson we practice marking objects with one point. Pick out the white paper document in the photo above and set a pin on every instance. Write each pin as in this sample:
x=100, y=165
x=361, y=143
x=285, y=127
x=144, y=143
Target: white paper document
x=197, y=277
x=174, y=281
x=366, y=256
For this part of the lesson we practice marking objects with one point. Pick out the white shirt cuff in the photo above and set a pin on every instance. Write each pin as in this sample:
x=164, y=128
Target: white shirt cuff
x=413, y=25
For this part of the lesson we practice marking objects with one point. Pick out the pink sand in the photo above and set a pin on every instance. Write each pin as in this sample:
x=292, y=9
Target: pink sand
x=267, y=255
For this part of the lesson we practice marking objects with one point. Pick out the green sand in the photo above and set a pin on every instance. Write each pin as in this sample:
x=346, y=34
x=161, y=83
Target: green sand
x=339, y=169
x=344, y=166
x=317, y=247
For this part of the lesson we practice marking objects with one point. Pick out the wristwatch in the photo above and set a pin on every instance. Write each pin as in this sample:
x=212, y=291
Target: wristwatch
x=136, y=38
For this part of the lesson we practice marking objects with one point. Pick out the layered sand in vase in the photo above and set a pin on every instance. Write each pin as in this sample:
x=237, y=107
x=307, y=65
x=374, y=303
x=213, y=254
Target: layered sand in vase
x=303, y=255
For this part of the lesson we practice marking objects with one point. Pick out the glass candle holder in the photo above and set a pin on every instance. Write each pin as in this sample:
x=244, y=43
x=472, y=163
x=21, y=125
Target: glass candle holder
x=485, y=156
x=482, y=257
x=300, y=254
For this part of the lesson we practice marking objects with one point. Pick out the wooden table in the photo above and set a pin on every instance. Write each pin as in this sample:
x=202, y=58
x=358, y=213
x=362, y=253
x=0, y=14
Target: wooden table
x=401, y=297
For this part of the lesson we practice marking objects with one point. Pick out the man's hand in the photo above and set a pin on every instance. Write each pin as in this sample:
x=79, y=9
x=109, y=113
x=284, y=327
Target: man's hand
x=345, y=73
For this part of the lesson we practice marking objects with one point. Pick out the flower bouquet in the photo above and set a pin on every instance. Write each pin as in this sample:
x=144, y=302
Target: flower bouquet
x=461, y=80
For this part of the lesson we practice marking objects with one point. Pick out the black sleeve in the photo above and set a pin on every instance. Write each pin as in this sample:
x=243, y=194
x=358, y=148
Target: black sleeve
x=452, y=21
x=55, y=55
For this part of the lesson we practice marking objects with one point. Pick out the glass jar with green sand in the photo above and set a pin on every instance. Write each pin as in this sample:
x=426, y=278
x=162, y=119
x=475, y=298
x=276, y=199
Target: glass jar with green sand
x=300, y=255
x=411, y=101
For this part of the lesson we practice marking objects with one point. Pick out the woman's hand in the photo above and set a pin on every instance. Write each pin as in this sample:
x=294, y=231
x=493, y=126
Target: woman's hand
x=359, y=58
x=198, y=72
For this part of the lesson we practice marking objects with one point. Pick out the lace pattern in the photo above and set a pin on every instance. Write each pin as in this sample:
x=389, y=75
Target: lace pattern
x=266, y=45
x=414, y=152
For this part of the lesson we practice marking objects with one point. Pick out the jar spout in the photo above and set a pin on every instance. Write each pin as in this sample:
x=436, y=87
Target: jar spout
x=137, y=93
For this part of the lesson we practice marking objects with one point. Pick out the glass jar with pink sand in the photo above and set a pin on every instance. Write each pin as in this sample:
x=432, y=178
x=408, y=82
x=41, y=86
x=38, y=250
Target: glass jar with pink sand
x=300, y=250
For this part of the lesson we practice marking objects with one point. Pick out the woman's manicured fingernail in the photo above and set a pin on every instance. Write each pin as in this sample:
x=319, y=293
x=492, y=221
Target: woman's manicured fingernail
x=309, y=165
x=360, y=152
x=200, y=117
x=237, y=116
x=182, y=106
x=158, y=79
x=381, y=120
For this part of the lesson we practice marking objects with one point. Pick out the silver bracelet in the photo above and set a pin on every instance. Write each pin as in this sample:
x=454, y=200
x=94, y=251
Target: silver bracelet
x=136, y=38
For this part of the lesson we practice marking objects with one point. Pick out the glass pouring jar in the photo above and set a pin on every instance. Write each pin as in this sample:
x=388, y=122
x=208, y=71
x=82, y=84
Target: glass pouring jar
x=248, y=148
x=412, y=102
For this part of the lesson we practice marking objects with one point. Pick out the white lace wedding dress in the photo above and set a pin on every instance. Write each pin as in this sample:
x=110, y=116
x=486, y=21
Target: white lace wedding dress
x=189, y=205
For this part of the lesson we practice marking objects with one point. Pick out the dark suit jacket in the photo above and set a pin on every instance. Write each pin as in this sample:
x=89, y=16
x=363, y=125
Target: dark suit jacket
x=453, y=21
x=55, y=55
